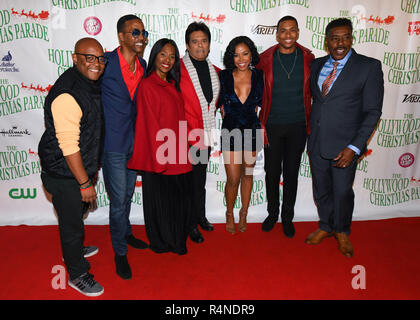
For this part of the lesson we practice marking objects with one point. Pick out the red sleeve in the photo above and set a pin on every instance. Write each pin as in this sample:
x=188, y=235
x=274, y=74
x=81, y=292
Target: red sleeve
x=147, y=127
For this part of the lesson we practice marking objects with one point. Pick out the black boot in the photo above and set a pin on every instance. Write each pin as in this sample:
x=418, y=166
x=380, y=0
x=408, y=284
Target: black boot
x=269, y=223
x=122, y=267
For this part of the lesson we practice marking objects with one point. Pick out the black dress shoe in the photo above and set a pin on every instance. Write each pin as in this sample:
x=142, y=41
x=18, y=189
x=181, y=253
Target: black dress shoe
x=122, y=267
x=136, y=243
x=205, y=224
x=269, y=223
x=288, y=229
x=196, y=236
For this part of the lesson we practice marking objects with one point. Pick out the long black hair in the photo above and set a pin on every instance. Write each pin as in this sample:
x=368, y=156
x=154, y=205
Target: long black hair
x=230, y=51
x=175, y=73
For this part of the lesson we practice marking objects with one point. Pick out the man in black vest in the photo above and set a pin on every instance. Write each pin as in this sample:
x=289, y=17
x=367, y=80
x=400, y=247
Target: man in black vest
x=69, y=151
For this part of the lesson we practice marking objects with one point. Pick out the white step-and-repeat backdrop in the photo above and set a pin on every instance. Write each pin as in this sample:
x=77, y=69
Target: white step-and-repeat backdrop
x=37, y=39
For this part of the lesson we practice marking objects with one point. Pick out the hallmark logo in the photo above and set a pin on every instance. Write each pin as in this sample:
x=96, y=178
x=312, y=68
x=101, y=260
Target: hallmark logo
x=261, y=29
x=412, y=98
x=6, y=64
x=14, y=132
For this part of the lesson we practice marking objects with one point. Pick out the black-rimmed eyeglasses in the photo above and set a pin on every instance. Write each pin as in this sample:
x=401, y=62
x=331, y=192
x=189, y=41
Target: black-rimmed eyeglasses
x=136, y=32
x=91, y=58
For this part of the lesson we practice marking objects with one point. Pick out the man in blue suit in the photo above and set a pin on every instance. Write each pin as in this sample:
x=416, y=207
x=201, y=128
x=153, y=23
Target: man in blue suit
x=119, y=88
x=347, y=90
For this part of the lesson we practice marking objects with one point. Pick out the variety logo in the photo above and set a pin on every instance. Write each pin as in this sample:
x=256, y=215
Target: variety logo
x=22, y=193
x=412, y=98
x=262, y=29
x=6, y=63
x=14, y=132
x=92, y=25
x=413, y=28
x=406, y=160
x=43, y=15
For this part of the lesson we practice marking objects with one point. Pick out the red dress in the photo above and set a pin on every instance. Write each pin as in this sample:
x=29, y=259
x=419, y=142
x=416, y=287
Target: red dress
x=161, y=153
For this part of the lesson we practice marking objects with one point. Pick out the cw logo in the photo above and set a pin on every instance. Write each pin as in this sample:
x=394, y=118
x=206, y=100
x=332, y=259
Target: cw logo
x=20, y=193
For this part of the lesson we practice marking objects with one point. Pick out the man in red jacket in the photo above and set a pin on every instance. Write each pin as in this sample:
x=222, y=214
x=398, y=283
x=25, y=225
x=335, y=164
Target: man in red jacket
x=285, y=117
x=200, y=89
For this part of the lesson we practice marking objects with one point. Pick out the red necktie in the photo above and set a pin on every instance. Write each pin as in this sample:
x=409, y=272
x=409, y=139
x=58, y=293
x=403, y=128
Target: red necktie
x=327, y=82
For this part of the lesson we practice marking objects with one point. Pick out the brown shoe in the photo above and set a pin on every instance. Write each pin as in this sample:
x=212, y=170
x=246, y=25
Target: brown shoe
x=230, y=223
x=242, y=220
x=317, y=236
x=344, y=244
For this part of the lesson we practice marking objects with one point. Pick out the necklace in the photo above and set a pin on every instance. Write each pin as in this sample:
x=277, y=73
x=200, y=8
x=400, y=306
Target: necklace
x=293, y=67
x=135, y=67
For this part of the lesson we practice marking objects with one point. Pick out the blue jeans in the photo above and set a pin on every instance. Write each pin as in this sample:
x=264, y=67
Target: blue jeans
x=119, y=183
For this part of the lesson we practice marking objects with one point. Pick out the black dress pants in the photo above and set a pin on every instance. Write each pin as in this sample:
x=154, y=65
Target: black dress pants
x=199, y=178
x=67, y=202
x=333, y=191
x=283, y=156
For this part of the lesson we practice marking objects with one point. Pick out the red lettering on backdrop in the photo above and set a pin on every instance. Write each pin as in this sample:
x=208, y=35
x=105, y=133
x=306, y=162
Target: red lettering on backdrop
x=219, y=19
x=43, y=15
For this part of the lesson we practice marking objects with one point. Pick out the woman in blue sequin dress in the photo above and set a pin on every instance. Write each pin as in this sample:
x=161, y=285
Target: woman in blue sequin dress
x=241, y=89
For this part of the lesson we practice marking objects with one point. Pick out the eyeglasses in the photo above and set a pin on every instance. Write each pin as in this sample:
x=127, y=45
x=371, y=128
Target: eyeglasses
x=91, y=58
x=136, y=32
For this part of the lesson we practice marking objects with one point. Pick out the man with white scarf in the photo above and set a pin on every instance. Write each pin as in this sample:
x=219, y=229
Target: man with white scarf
x=200, y=89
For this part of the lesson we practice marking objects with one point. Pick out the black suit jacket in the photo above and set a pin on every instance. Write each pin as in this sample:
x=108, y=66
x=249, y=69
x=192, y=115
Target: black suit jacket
x=348, y=114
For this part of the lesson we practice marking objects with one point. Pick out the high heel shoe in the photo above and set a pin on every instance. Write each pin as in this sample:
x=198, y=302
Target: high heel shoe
x=230, y=223
x=242, y=220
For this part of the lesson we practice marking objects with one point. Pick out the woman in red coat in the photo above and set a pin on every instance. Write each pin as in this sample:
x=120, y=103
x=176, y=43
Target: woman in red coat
x=161, y=151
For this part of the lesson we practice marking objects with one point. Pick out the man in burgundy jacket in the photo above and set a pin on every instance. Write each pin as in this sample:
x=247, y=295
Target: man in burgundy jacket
x=284, y=117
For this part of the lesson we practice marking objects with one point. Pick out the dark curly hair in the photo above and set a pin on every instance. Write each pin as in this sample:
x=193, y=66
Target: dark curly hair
x=230, y=51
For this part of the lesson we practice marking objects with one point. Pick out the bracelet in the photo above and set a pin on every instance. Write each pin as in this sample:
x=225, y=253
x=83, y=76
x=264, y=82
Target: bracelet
x=80, y=184
x=87, y=187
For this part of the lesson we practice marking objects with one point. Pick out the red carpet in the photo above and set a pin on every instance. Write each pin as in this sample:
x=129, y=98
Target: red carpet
x=251, y=266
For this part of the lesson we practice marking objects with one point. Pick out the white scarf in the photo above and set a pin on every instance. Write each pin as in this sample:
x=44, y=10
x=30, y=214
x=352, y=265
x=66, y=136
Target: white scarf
x=208, y=111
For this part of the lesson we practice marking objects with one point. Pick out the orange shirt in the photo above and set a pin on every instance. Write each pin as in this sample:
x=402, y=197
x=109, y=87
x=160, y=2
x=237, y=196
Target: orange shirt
x=67, y=114
x=131, y=79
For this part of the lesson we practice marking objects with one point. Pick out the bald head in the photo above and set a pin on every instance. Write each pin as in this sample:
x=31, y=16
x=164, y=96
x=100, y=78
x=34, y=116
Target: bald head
x=84, y=43
x=85, y=58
